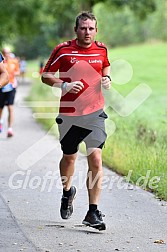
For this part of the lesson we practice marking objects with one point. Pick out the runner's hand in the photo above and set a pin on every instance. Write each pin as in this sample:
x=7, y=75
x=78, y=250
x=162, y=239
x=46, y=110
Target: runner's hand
x=106, y=83
x=74, y=87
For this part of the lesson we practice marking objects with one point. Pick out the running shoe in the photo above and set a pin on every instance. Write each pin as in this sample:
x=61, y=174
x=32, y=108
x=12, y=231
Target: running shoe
x=1, y=127
x=66, y=208
x=10, y=132
x=94, y=219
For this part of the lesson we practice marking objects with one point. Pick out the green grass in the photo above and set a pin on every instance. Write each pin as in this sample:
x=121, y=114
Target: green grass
x=140, y=140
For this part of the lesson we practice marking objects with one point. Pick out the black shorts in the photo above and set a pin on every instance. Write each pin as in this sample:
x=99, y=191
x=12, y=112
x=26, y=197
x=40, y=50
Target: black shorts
x=7, y=98
x=87, y=128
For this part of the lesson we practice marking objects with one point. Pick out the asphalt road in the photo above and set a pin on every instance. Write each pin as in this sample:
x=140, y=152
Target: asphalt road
x=30, y=193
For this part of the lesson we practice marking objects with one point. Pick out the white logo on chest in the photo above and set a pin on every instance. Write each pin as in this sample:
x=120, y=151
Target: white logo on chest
x=74, y=60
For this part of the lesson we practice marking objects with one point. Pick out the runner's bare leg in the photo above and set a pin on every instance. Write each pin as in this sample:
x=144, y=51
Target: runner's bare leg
x=67, y=170
x=95, y=176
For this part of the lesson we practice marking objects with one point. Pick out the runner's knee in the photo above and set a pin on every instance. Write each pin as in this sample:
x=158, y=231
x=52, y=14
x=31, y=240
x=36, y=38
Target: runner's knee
x=69, y=159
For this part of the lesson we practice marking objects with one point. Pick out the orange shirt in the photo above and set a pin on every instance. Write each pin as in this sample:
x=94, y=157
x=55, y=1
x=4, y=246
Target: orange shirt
x=12, y=67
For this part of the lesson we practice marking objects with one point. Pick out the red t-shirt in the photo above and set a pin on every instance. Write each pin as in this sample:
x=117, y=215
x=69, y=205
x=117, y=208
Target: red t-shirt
x=77, y=63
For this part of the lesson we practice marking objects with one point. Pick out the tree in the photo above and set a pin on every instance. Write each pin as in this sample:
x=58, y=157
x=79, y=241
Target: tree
x=19, y=17
x=140, y=7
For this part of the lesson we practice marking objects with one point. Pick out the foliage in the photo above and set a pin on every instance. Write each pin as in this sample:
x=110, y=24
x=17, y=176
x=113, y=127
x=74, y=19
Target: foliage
x=124, y=27
x=140, y=8
x=19, y=17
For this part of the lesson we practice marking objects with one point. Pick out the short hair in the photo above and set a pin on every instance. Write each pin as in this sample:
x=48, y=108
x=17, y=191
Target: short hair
x=84, y=15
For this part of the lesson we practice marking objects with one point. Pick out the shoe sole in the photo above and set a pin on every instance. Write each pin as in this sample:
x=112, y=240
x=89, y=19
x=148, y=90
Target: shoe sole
x=101, y=226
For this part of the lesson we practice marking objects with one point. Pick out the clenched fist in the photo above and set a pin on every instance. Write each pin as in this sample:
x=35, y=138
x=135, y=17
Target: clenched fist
x=106, y=82
x=74, y=87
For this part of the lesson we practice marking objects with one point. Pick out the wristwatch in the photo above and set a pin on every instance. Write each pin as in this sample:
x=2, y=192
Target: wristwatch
x=107, y=76
x=64, y=86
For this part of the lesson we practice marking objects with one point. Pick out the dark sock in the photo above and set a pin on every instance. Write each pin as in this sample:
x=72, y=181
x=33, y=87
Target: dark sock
x=67, y=193
x=92, y=207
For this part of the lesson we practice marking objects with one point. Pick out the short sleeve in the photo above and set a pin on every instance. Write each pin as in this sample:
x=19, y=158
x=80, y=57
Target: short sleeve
x=106, y=62
x=53, y=63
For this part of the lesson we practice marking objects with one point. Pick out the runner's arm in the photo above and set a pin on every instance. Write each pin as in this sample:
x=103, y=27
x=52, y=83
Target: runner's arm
x=73, y=87
x=49, y=79
x=106, y=79
x=106, y=71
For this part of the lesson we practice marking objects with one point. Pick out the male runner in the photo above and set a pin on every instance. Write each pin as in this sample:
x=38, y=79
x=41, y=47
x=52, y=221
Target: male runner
x=83, y=70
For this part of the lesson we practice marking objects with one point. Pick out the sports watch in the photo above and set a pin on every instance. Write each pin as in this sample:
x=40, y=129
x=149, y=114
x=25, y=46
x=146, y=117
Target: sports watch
x=64, y=86
x=107, y=76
